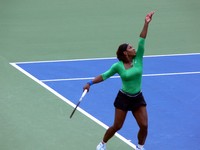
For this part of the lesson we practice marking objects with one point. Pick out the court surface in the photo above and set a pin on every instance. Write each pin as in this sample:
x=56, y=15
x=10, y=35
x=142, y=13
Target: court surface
x=35, y=107
x=170, y=86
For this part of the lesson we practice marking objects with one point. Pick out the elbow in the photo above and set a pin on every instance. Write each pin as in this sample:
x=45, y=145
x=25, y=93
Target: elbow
x=143, y=35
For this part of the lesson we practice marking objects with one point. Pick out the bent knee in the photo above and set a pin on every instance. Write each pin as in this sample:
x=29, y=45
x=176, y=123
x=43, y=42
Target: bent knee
x=117, y=127
x=144, y=126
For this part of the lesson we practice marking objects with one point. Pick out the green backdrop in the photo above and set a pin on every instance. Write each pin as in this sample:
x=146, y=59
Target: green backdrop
x=31, y=117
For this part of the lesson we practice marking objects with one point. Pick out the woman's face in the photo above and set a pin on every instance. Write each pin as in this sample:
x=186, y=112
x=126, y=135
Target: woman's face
x=131, y=51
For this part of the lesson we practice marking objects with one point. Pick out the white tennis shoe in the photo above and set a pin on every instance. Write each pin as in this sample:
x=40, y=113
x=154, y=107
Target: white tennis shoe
x=101, y=146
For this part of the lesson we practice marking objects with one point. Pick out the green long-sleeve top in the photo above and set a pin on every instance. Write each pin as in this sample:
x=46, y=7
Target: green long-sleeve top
x=132, y=77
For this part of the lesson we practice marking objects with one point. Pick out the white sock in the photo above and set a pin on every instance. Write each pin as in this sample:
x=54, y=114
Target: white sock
x=140, y=146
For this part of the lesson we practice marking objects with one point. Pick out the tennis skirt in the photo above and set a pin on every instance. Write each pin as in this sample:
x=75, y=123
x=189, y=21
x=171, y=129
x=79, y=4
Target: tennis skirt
x=129, y=102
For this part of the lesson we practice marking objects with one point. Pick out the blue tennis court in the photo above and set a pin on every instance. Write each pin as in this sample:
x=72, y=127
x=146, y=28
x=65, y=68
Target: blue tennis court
x=170, y=86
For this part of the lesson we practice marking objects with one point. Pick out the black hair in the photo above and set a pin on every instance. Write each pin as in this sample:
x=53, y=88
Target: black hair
x=120, y=51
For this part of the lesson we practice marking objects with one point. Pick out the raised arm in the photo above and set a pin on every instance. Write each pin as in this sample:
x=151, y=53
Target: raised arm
x=148, y=19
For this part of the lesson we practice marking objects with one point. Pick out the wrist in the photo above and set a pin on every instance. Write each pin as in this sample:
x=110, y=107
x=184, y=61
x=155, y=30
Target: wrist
x=90, y=83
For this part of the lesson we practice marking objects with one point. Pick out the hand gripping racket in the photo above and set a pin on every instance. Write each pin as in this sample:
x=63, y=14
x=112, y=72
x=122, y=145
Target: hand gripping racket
x=83, y=94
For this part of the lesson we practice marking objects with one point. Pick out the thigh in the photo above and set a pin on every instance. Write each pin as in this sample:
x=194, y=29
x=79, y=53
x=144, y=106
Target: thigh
x=141, y=116
x=120, y=116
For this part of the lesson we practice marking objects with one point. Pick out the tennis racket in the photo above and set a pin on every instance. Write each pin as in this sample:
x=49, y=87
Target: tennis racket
x=83, y=94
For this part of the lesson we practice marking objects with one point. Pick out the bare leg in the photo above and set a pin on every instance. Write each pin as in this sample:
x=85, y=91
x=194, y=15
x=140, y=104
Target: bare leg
x=120, y=116
x=142, y=119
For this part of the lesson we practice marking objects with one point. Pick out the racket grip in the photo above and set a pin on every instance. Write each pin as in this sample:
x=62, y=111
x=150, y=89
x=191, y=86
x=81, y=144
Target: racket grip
x=84, y=93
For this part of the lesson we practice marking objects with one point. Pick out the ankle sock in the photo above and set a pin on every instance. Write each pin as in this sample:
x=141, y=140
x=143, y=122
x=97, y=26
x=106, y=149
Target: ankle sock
x=140, y=146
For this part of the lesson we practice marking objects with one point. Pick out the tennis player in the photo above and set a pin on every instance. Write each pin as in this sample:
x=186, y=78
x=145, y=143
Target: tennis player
x=129, y=98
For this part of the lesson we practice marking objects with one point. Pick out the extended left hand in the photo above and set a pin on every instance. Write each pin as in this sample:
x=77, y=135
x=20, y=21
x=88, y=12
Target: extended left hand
x=148, y=17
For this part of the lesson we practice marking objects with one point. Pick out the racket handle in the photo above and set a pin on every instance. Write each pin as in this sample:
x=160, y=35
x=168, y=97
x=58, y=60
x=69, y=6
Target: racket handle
x=84, y=93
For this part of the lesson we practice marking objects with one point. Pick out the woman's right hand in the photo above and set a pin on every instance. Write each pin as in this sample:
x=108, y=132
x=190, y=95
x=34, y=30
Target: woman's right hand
x=97, y=79
x=86, y=87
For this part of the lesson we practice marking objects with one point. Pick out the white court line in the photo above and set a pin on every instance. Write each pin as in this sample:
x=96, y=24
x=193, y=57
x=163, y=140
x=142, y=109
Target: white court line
x=86, y=59
x=71, y=104
x=145, y=75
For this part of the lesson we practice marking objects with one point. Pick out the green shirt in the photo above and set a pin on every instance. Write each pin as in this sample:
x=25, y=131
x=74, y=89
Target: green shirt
x=132, y=77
